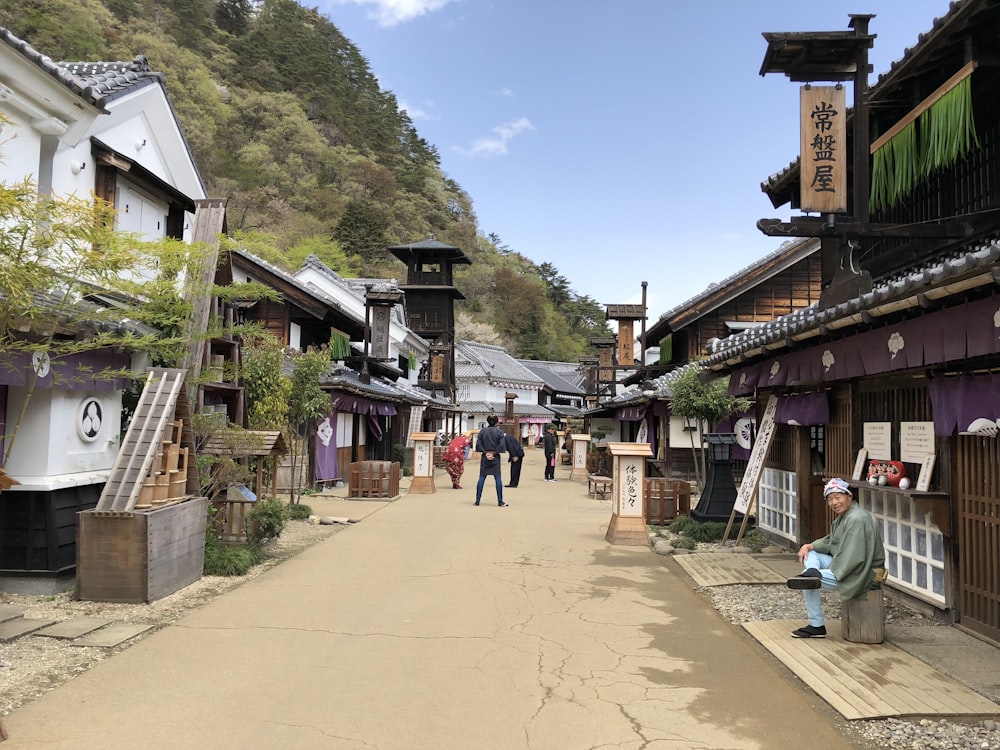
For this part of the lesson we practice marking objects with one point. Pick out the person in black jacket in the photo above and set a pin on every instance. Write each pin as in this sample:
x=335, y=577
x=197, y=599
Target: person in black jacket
x=490, y=445
x=514, y=455
x=551, y=448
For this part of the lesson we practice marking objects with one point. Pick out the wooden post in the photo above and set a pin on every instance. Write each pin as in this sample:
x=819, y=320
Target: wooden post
x=423, y=463
x=628, y=499
x=862, y=620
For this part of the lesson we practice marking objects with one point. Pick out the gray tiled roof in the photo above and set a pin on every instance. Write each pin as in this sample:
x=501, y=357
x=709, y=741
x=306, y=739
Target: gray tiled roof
x=552, y=379
x=95, y=82
x=791, y=248
x=933, y=280
x=357, y=287
x=485, y=362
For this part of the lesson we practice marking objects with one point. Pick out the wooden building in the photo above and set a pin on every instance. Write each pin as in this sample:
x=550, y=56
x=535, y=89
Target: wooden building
x=901, y=357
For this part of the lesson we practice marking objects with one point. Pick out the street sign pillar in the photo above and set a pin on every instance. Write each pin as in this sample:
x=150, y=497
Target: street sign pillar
x=580, y=445
x=628, y=499
x=423, y=463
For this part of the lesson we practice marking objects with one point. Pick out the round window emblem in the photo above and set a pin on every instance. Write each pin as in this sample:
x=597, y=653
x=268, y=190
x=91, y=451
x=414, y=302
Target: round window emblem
x=90, y=419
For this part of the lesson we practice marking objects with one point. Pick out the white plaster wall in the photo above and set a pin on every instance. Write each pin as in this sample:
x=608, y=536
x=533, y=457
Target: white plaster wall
x=19, y=146
x=50, y=449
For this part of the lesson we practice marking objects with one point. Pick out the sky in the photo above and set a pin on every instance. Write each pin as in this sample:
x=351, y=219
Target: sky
x=620, y=140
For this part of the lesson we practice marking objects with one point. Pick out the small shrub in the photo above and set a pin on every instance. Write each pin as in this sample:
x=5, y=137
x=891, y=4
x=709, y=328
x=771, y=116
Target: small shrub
x=407, y=471
x=755, y=541
x=299, y=512
x=223, y=560
x=710, y=531
x=684, y=543
x=266, y=521
x=680, y=524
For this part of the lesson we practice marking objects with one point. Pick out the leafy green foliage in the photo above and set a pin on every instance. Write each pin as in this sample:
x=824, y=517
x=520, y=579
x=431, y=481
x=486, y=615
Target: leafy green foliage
x=266, y=388
x=285, y=117
x=299, y=512
x=229, y=560
x=755, y=541
x=266, y=520
x=942, y=134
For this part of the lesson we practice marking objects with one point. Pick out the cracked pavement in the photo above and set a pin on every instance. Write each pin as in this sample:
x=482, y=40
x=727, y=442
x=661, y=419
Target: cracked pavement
x=436, y=624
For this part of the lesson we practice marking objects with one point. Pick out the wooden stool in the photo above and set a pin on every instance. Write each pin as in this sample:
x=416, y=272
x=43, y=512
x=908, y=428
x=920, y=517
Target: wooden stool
x=598, y=486
x=862, y=620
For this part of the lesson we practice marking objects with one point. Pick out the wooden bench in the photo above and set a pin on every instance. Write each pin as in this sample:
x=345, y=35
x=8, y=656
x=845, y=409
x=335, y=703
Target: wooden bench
x=598, y=486
x=862, y=620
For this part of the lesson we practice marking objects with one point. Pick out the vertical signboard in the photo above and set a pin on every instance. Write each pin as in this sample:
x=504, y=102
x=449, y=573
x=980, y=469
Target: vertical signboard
x=755, y=466
x=823, y=151
x=380, y=332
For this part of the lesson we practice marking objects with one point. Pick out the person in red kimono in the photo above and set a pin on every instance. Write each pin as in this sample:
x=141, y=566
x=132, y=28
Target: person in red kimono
x=454, y=459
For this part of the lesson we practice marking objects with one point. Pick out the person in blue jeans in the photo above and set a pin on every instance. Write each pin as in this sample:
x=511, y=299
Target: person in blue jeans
x=850, y=559
x=490, y=444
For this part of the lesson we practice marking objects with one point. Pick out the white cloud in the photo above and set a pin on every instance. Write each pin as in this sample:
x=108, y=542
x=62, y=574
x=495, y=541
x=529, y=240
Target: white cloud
x=506, y=91
x=393, y=12
x=496, y=145
x=417, y=112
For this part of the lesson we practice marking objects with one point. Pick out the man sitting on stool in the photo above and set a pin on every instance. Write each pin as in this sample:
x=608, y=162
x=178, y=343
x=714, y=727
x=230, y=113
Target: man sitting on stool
x=850, y=559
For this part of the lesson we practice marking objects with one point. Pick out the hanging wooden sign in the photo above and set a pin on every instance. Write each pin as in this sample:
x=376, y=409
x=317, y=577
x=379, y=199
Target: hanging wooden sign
x=823, y=149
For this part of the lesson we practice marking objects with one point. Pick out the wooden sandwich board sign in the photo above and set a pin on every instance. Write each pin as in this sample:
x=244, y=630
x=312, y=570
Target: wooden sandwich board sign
x=755, y=467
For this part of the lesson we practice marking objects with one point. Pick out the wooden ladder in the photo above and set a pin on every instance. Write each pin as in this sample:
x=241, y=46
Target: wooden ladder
x=153, y=413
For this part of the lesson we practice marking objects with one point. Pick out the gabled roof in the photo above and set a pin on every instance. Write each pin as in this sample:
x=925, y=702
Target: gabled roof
x=308, y=297
x=475, y=361
x=555, y=382
x=716, y=295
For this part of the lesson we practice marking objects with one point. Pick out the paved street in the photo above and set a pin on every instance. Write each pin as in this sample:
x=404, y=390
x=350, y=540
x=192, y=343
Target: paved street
x=435, y=624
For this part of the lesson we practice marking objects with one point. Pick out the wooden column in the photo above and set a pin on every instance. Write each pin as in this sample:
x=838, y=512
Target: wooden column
x=628, y=512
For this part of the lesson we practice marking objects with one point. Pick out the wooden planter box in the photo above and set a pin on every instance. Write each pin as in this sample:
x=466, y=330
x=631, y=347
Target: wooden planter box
x=140, y=556
x=373, y=479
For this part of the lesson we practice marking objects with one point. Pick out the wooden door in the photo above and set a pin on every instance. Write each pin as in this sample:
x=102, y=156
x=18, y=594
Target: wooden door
x=978, y=508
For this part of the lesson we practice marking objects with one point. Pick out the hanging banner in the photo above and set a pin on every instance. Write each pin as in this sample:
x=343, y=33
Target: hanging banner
x=823, y=149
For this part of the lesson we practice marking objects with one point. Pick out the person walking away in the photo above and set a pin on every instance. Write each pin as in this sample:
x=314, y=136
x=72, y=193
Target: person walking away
x=551, y=444
x=490, y=445
x=850, y=559
x=454, y=459
x=515, y=456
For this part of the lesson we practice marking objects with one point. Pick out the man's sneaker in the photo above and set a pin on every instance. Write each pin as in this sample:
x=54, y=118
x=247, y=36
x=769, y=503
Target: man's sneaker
x=476, y=503
x=810, y=631
x=502, y=504
x=807, y=579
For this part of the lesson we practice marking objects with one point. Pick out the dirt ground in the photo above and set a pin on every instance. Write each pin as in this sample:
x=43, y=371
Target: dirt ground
x=32, y=665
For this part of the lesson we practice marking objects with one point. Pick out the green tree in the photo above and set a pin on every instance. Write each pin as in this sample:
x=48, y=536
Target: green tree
x=307, y=401
x=705, y=403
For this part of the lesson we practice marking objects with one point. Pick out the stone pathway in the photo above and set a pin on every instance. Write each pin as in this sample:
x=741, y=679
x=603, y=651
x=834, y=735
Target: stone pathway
x=80, y=631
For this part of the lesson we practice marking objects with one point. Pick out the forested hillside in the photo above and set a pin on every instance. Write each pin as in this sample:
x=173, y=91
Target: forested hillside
x=287, y=121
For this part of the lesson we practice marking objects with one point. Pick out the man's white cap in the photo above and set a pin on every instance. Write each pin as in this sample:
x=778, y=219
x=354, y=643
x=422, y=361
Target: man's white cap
x=836, y=485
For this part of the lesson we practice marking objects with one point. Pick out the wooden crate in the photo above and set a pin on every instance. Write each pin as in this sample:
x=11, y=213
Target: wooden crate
x=141, y=556
x=373, y=479
x=666, y=499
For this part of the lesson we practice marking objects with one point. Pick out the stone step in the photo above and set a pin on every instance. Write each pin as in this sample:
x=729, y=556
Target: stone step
x=19, y=626
x=74, y=628
x=111, y=635
x=10, y=612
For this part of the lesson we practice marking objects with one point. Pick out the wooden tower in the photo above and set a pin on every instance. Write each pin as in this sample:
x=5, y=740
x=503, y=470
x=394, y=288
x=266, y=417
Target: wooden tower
x=430, y=306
